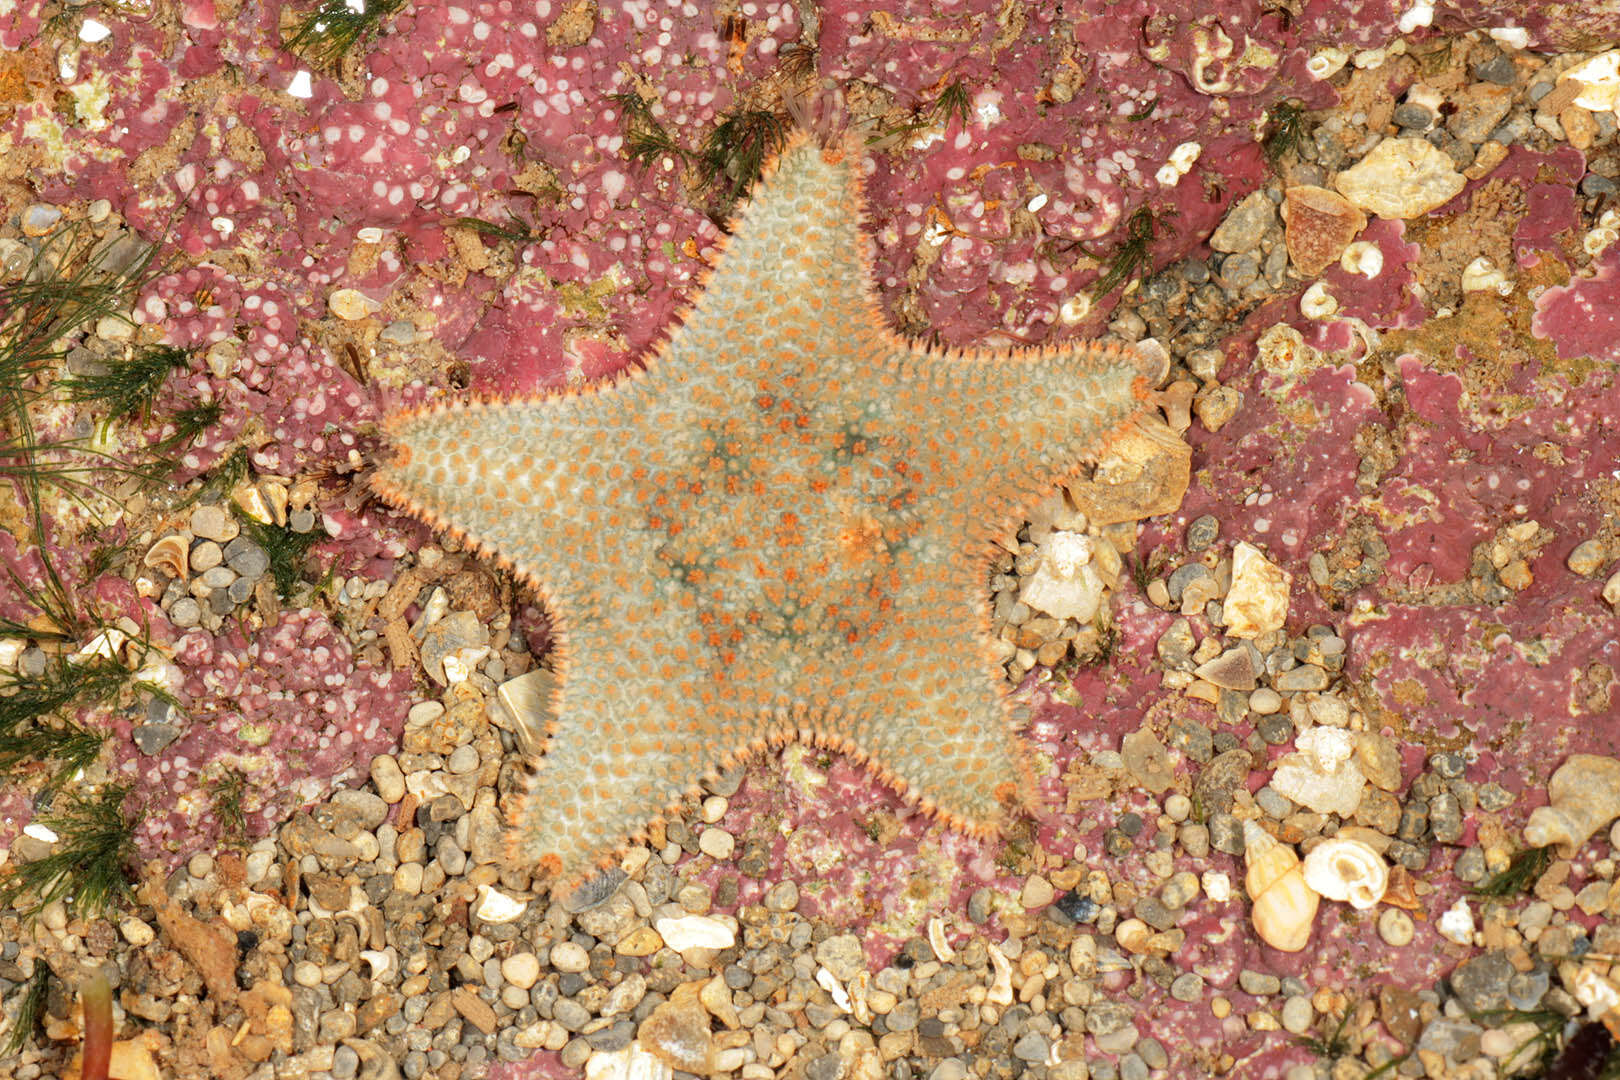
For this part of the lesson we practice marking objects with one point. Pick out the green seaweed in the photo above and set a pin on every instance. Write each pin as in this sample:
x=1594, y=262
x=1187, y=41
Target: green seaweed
x=645, y=140
x=87, y=869
x=331, y=30
x=734, y=154
x=30, y=1010
x=130, y=385
x=1132, y=258
x=32, y=724
x=286, y=549
x=1519, y=876
x=1285, y=130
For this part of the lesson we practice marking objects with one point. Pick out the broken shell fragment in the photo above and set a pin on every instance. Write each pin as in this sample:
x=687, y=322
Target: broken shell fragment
x=1320, y=226
x=171, y=555
x=1284, y=903
x=1344, y=869
x=1064, y=585
x=1584, y=796
x=494, y=906
x=1258, y=599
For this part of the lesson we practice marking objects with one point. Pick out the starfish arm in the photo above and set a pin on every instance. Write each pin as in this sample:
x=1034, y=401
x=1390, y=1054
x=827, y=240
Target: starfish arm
x=937, y=728
x=522, y=480
x=1012, y=425
x=633, y=735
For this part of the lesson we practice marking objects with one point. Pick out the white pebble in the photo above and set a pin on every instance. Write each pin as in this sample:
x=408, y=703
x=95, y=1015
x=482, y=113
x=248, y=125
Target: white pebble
x=521, y=969
x=695, y=932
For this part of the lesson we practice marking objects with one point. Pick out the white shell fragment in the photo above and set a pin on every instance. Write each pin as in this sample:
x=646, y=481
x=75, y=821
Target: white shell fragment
x=494, y=906
x=695, y=932
x=1322, y=773
x=1317, y=303
x=1482, y=275
x=1258, y=599
x=1363, y=257
x=1456, y=923
x=1401, y=178
x=1584, y=796
x=1065, y=585
x=1284, y=903
x=1599, y=78
x=1344, y=869
x=351, y=305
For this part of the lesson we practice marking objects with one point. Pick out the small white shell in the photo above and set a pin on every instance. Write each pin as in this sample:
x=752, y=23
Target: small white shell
x=1325, y=63
x=1481, y=275
x=1000, y=992
x=494, y=906
x=1344, y=869
x=1317, y=302
x=351, y=305
x=938, y=941
x=1363, y=257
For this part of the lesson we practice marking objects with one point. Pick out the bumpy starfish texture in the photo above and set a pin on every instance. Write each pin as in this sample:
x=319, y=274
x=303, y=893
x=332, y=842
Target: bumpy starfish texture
x=780, y=529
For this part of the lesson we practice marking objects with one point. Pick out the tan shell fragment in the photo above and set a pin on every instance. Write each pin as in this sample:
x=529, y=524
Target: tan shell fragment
x=1320, y=224
x=1345, y=869
x=1145, y=474
x=1284, y=904
x=1401, y=178
x=1584, y=795
x=172, y=555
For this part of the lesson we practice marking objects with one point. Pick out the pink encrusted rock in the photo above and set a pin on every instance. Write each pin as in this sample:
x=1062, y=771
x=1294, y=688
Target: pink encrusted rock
x=1319, y=225
x=289, y=709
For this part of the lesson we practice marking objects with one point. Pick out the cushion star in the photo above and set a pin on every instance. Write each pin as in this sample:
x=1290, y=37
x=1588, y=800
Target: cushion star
x=780, y=528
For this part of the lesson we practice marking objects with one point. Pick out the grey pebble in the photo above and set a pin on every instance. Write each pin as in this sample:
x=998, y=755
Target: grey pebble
x=450, y=855
x=1203, y=532
x=1499, y=70
x=1032, y=1047
x=185, y=612
x=246, y=558
x=345, y=1063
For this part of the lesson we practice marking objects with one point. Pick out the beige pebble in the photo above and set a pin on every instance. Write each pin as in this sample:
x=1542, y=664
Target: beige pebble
x=136, y=932
x=714, y=808
x=388, y=778
x=567, y=956
x=717, y=843
x=351, y=305
x=521, y=969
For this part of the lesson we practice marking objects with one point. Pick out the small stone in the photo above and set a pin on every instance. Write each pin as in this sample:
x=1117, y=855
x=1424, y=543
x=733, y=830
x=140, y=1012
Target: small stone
x=210, y=522
x=1413, y=116
x=37, y=219
x=1257, y=601
x=1481, y=984
x=1401, y=178
x=1320, y=225
x=1499, y=69
x=463, y=759
x=1265, y=701
x=1032, y=1047
x=1234, y=669
x=677, y=1032
x=136, y=932
x=1147, y=761
x=695, y=932
x=1481, y=107
x=153, y=739
x=1297, y=1014
x=568, y=956
x=783, y=896
x=1588, y=558
x=522, y=969
x=351, y=305
x=1305, y=678
x=1245, y=224
x=717, y=843
x=1038, y=892
x=388, y=778
x=842, y=955
x=1188, y=986
x=246, y=558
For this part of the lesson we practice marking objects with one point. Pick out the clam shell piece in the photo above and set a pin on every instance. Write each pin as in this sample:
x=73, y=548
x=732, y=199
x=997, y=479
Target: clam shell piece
x=1585, y=796
x=172, y=555
x=1344, y=869
x=494, y=906
x=1284, y=905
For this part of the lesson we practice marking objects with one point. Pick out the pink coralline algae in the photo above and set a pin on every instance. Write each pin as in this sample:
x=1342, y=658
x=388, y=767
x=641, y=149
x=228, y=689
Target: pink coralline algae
x=1583, y=317
x=288, y=710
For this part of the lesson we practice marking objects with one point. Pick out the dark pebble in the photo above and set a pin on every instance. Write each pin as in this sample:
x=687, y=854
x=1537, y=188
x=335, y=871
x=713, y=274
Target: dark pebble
x=616, y=1037
x=1081, y=909
x=1130, y=823
x=1593, y=184
x=1499, y=70
x=1203, y=532
x=1412, y=116
x=1275, y=729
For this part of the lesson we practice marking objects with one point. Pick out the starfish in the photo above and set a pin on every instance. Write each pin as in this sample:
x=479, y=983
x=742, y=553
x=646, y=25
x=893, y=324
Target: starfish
x=779, y=527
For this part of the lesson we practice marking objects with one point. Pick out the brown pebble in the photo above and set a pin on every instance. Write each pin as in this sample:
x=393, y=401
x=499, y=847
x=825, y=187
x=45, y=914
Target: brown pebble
x=1320, y=225
x=475, y=1010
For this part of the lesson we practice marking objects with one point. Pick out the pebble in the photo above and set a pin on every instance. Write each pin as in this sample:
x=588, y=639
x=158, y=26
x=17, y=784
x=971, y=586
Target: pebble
x=213, y=523
x=522, y=969
x=717, y=843
x=1245, y=224
x=1401, y=178
x=568, y=956
x=1588, y=558
x=783, y=896
x=1297, y=1014
x=695, y=932
x=388, y=778
x=1038, y=892
x=843, y=955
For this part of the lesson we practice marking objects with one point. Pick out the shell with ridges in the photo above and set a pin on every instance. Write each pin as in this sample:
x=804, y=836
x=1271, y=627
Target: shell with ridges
x=1284, y=905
